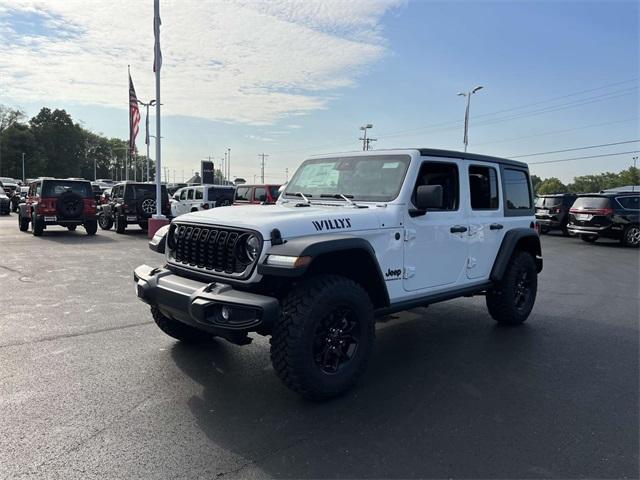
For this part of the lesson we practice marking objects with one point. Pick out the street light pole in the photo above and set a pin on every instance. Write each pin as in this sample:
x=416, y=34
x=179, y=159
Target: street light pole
x=466, y=113
x=365, y=143
x=24, y=178
x=229, y=164
x=146, y=139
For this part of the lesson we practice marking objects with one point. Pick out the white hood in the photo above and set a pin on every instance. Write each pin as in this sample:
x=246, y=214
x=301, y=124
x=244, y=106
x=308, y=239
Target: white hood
x=292, y=221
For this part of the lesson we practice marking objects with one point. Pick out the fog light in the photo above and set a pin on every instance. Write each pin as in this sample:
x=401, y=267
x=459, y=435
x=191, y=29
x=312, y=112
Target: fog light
x=226, y=313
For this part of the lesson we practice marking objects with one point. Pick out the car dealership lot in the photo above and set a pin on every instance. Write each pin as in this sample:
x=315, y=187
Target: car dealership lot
x=90, y=387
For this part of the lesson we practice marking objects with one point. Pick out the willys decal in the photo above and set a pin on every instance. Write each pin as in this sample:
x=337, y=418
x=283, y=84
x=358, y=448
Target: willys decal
x=333, y=224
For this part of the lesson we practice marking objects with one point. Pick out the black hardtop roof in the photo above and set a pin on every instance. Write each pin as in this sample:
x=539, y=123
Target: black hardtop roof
x=67, y=180
x=557, y=195
x=610, y=194
x=435, y=152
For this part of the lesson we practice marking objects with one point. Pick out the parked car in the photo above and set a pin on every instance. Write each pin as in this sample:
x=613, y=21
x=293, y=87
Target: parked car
x=104, y=197
x=203, y=197
x=172, y=188
x=64, y=202
x=353, y=237
x=552, y=211
x=256, y=194
x=613, y=215
x=97, y=189
x=5, y=203
x=131, y=203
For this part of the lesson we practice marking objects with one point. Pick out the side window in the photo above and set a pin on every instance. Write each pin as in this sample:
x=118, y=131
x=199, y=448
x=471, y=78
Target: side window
x=260, y=194
x=38, y=189
x=199, y=193
x=445, y=174
x=516, y=189
x=483, y=186
x=183, y=194
x=242, y=193
x=190, y=194
x=630, y=203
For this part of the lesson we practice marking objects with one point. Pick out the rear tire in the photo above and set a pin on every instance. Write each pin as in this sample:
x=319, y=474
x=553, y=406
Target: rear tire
x=511, y=300
x=121, y=224
x=631, y=236
x=91, y=226
x=178, y=330
x=105, y=222
x=322, y=344
x=588, y=238
x=37, y=226
x=23, y=223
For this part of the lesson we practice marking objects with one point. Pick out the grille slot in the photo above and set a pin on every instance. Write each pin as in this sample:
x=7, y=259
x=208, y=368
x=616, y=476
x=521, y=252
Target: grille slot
x=208, y=248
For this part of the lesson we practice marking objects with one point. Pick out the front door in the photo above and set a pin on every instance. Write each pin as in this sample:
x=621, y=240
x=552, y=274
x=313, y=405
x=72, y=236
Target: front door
x=435, y=251
x=486, y=226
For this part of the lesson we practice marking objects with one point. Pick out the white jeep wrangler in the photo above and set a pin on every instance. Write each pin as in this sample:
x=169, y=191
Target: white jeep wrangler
x=353, y=237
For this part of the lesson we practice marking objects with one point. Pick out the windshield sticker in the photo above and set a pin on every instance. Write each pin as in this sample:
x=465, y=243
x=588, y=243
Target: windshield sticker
x=333, y=224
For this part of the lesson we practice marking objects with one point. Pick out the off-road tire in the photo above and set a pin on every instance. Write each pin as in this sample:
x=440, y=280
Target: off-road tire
x=588, y=238
x=37, y=226
x=105, y=221
x=631, y=236
x=71, y=228
x=502, y=299
x=178, y=330
x=120, y=223
x=23, y=223
x=91, y=227
x=292, y=342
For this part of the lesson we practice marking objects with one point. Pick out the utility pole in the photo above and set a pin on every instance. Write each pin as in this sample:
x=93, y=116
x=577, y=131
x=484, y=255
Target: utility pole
x=368, y=141
x=635, y=173
x=286, y=175
x=466, y=113
x=262, y=156
x=229, y=164
x=24, y=178
x=364, y=128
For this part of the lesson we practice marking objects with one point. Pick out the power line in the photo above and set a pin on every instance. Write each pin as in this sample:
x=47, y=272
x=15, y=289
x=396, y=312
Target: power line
x=573, y=149
x=584, y=158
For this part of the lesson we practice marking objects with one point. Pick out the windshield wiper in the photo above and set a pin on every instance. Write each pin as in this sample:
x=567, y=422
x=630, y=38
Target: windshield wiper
x=347, y=198
x=304, y=196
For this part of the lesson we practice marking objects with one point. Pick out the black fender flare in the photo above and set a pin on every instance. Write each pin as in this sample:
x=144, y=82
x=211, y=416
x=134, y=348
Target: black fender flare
x=526, y=238
x=315, y=246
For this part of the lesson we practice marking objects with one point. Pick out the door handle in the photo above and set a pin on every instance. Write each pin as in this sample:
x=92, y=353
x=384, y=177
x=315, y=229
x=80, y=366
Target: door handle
x=458, y=229
x=496, y=226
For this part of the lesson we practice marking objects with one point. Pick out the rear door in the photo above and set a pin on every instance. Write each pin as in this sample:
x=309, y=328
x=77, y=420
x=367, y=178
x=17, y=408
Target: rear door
x=486, y=228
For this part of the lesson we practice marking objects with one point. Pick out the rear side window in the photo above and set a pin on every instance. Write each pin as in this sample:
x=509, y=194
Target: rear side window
x=55, y=189
x=140, y=191
x=260, y=194
x=190, y=194
x=591, y=202
x=198, y=193
x=242, y=193
x=483, y=185
x=516, y=189
x=630, y=203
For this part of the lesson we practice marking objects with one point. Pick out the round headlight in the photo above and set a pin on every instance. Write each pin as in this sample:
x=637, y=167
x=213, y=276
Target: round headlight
x=252, y=247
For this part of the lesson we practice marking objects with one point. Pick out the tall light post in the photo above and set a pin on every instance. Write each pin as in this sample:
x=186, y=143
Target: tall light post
x=24, y=178
x=466, y=113
x=146, y=122
x=365, y=143
x=228, y=164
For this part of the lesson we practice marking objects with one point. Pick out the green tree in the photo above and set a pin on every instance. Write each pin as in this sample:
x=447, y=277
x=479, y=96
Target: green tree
x=16, y=140
x=535, y=182
x=630, y=176
x=551, y=185
x=8, y=118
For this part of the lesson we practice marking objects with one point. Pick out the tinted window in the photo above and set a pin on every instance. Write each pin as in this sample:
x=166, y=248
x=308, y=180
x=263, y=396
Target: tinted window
x=444, y=174
x=140, y=191
x=591, y=202
x=630, y=203
x=260, y=194
x=516, y=189
x=183, y=195
x=483, y=185
x=54, y=189
x=199, y=193
x=190, y=194
x=242, y=193
x=273, y=190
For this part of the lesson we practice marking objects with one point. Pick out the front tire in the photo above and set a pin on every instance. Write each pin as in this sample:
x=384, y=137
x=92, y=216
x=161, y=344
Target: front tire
x=23, y=223
x=322, y=344
x=178, y=330
x=121, y=224
x=589, y=238
x=37, y=226
x=511, y=300
x=105, y=222
x=631, y=236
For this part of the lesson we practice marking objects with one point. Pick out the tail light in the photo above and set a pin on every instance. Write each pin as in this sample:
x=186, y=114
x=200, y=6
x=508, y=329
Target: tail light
x=603, y=212
x=89, y=207
x=47, y=206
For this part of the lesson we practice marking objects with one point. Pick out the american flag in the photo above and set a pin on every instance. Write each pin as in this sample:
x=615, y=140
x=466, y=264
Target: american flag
x=134, y=116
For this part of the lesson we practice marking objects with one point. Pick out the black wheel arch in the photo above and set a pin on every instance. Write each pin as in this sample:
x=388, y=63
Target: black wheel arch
x=525, y=239
x=344, y=255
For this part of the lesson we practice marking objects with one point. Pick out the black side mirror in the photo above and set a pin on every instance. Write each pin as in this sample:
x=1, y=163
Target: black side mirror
x=427, y=197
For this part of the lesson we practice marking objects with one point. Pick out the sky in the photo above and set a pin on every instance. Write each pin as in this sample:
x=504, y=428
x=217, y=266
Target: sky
x=296, y=78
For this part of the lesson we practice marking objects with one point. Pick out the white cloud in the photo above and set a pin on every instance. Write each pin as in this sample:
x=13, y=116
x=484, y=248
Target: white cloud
x=241, y=61
x=259, y=138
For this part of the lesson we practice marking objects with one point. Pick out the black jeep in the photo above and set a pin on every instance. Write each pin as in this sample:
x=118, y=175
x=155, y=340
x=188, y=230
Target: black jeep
x=613, y=215
x=131, y=203
x=68, y=203
x=552, y=211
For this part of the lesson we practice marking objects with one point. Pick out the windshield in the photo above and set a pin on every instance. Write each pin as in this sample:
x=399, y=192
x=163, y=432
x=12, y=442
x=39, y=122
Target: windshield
x=370, y=179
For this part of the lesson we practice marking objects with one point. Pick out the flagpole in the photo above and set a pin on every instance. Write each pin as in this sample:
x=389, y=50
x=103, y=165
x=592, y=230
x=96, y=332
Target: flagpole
x=157, y=65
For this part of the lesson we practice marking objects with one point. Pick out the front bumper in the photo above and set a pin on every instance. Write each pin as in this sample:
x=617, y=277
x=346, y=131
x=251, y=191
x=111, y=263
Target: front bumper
x=200, y=304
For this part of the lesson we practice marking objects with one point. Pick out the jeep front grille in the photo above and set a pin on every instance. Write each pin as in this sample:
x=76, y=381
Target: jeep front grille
x=208, y=248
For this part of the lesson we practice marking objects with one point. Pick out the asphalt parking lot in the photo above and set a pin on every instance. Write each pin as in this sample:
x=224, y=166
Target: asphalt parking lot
x=91, y=388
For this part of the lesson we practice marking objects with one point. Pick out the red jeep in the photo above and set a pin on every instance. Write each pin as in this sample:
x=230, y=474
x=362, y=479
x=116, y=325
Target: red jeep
x=68, y=203
x=256, y=194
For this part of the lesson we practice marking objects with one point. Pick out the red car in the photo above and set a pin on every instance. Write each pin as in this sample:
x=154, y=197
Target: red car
x=256, y=194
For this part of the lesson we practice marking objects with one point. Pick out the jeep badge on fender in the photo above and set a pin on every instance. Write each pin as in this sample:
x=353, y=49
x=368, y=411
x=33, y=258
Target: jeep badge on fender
x=380, y=232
